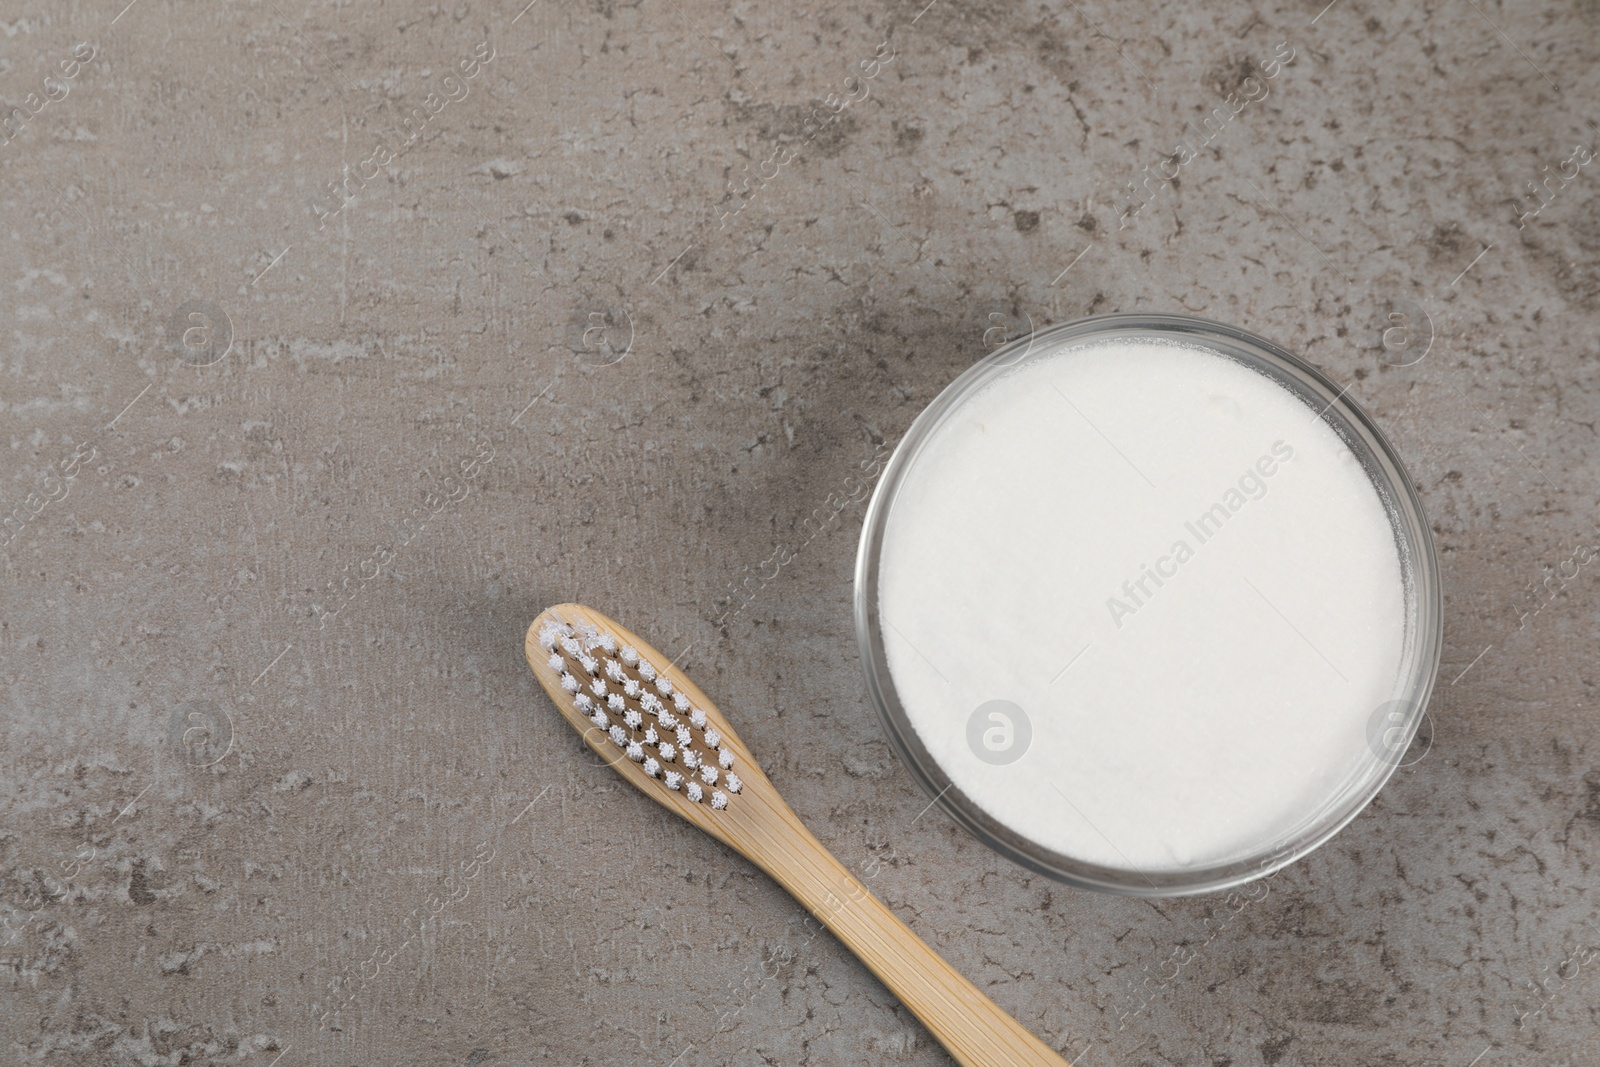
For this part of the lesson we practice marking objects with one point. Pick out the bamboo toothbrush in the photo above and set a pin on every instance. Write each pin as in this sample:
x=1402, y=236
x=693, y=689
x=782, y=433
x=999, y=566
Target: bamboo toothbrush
x=660, y=732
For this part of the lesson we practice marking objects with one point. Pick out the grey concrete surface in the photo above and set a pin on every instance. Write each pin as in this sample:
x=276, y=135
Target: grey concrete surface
x=278, y=788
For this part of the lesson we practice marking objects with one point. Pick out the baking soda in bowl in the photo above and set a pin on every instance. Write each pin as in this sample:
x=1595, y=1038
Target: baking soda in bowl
x=1147, y=615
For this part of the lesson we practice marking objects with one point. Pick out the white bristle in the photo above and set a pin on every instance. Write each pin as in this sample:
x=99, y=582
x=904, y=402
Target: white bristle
x=642, y=698
x=550, y=632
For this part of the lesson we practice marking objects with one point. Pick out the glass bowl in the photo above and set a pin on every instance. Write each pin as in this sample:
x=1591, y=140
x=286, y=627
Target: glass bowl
x=1392, y=725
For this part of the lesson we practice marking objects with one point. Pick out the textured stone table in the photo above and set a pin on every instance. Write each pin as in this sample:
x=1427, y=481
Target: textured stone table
x=340, y=338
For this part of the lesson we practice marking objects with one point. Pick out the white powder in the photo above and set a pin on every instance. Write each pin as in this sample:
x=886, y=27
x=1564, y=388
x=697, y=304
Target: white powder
x=1186, y=720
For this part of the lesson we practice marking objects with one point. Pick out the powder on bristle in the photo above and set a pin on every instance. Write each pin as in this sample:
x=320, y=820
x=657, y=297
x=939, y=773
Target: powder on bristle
x=657, y=747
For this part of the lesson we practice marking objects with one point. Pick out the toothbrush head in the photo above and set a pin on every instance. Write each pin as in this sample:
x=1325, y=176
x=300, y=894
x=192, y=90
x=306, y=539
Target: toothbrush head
x=642, y=715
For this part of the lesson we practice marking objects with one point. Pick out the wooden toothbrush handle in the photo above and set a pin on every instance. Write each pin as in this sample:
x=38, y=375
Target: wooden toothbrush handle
x=975, y=1031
